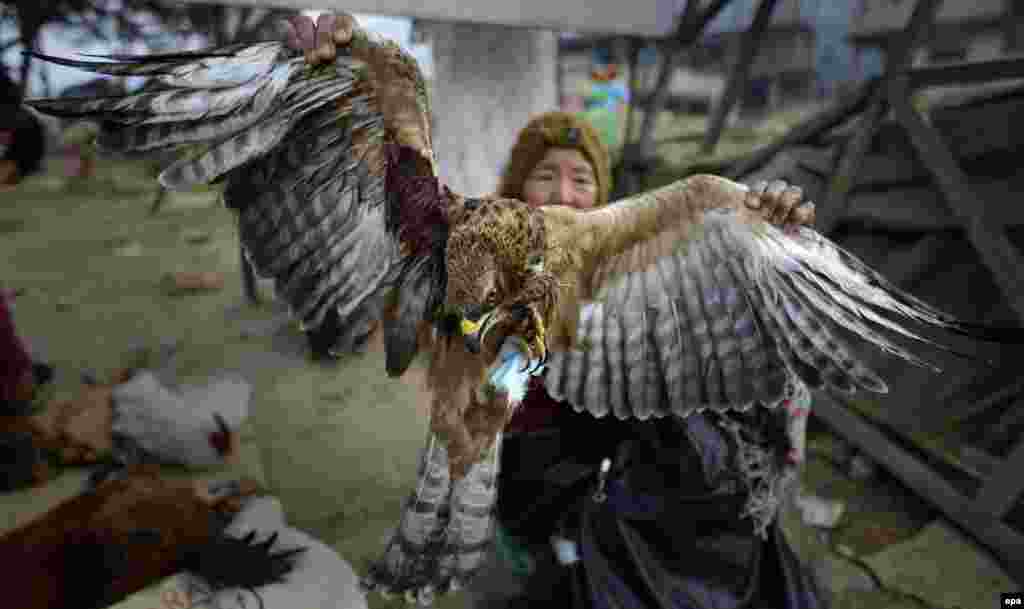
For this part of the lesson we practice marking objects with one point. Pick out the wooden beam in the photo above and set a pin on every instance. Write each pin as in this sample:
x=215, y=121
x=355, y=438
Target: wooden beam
x=967, y=72
x=999, y=538
x=899, y=55
x=996, y=250
x=1008, y=424
x=749, y=44
x=1001, y=491
x=635, y=46
x=636, y=157
x=834, y=206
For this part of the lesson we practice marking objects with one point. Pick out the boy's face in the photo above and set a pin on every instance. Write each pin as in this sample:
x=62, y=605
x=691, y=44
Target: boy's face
x=562, y=177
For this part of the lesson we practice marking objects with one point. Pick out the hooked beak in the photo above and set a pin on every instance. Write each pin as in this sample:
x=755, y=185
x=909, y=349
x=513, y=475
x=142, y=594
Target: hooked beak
x=473, y=329
x=471, y=334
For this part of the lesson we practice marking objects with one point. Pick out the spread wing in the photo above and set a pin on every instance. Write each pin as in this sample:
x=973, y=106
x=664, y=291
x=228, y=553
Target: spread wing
x=330, y=170
x=332, y=173
x=689, y=300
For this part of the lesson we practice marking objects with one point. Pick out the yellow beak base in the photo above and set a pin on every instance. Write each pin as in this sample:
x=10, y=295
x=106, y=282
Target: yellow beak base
x=469, y=328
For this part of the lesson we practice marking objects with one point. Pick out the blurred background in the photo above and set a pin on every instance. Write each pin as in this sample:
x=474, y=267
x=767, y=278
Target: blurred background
x=902, y=119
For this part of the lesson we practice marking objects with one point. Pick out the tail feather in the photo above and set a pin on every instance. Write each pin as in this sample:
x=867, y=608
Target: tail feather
x=445, y=528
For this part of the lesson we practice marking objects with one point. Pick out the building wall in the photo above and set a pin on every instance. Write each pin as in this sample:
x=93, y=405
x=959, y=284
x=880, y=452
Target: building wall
x=488, y=82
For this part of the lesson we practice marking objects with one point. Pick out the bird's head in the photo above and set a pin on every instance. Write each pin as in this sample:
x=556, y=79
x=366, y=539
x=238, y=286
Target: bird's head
x=476, y=281
x=474, y=294
x=488, y=255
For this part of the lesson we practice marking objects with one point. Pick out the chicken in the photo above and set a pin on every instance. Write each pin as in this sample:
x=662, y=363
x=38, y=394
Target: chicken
x=95, y=549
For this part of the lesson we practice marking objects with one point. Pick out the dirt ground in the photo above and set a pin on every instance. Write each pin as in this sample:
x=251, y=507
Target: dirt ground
x=338, y=444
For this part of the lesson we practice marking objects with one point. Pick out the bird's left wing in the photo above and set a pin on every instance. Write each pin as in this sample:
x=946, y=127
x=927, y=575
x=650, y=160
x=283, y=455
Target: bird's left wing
x=686, y=300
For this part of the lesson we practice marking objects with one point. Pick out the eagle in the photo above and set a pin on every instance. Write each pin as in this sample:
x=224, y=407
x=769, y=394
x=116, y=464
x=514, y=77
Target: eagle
x=671, y=302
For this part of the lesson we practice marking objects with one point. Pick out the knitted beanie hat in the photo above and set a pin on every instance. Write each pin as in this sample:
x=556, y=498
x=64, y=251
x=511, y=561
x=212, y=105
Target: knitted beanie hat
x=555, y=130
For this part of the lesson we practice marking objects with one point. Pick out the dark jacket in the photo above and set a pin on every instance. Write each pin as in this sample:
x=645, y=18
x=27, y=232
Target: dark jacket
x=670, y=532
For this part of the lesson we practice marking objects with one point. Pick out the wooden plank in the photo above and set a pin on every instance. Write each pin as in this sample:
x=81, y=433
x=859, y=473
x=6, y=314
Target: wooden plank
x=982, y=128
x=880, y=172
x=1000, y=396
x=1006, y=544
x=1001, y=491
x=907, y=267
x=833, y=207
x=819, y=161
x=897, y=60
x=740, y=74
x=980, y=463
x=922, y=208
x=1003, y=432
x=636, y=156
x=811, y=128
x=967, y=72
x=991, y=241
x=917, y=30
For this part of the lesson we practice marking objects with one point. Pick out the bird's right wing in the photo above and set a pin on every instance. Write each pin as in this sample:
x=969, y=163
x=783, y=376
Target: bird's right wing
x=691, y=301
x=329, y=167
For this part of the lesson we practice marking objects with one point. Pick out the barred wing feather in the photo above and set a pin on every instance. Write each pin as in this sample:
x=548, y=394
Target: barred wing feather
x=714, y=308
x=334, y=205
x=283, y=137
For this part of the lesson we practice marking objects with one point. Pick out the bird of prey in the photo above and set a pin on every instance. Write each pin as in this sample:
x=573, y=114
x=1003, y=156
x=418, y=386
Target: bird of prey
x=674, y=301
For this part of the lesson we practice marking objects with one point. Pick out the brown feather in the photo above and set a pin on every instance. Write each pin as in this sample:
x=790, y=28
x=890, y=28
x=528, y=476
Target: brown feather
x=57, y=560
x=592, y=249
